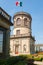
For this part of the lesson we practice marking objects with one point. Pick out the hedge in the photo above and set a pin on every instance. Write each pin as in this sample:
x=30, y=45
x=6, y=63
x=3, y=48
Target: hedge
x=18, y=60
x=13, y=60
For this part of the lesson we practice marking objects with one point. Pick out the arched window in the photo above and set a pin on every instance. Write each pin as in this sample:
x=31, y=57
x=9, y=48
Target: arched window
x=18, y=22
x=25, y=21
x=1, y=41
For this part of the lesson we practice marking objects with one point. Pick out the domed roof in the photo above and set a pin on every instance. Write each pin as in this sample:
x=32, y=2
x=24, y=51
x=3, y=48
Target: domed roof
x=22, y=13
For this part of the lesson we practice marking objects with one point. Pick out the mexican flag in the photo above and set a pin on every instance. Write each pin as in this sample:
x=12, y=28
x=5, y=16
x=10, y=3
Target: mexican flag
x=19, y=3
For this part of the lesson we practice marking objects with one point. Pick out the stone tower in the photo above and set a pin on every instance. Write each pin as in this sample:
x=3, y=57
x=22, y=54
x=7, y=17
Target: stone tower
x=22, y=41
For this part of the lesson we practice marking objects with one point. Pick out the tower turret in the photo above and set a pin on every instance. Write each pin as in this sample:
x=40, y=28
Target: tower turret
x=22, y=23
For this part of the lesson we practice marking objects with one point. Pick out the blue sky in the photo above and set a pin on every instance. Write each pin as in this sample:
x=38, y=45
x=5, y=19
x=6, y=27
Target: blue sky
x=34, y=7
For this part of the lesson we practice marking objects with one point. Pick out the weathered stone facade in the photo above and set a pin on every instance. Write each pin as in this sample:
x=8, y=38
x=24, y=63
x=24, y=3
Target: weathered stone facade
x=22, y=41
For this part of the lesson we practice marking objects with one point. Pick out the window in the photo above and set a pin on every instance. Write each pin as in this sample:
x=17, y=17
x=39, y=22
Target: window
x=17, y=32
x=16, y=49
x=25, y=22
x=25, y=19
x=18, y=21
x=1, y=41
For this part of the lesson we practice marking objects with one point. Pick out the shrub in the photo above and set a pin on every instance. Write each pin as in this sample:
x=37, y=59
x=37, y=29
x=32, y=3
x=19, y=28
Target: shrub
x=27, y=56
x=21, y=63
x=22, y=57
x=14, y=60
x=38, y=59
x=2, y=61
x=19, y=60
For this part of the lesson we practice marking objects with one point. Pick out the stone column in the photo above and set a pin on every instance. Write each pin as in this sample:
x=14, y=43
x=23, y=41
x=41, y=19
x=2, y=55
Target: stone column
x=7, y=43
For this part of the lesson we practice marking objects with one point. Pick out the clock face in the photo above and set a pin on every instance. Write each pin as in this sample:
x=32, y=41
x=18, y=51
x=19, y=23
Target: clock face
x=18, y=21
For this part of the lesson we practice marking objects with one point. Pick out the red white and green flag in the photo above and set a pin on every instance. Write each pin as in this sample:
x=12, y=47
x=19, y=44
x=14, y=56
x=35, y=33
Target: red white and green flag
x=19, y=3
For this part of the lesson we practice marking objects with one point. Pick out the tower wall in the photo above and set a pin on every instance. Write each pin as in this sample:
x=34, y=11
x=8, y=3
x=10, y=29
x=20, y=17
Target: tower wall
x=21, y=49
x=23, y=30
